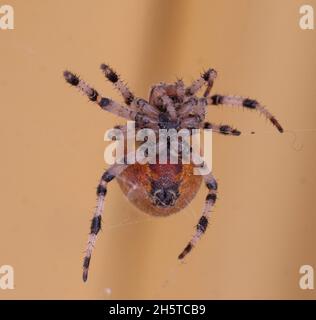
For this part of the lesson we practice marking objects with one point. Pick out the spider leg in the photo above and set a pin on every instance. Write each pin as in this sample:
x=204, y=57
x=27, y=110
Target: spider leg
x=123, y=129
x=122, y=87
x=108, y=104
x=201, y=227
x=193, y=122
x=207, y=78
x=192, y=106
x=95, y=227
x=159, y=96
x=129, y=98
x=237, y=101
x=93, y=95
x=180, y=88
x=143, y=106
x=169, y=105
x=222, y=129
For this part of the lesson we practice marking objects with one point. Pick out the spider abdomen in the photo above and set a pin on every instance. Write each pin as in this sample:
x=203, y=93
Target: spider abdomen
x=160, y=189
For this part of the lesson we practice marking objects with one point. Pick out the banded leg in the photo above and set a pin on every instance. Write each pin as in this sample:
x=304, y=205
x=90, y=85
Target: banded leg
x=108, y=176
x=222, y=129
x=122, y=87
x=180, y=88
x=129, y=98
x=160, y=96
x=242, y=102
x=192, y=106
x=201, y=227
x=193, y=122
x=108, y=104
x=143, y=106
x=208, y=78
x=124, y=130
x=169, y=105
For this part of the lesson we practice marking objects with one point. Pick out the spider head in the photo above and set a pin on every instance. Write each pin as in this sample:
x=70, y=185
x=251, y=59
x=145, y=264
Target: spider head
x=164, y=195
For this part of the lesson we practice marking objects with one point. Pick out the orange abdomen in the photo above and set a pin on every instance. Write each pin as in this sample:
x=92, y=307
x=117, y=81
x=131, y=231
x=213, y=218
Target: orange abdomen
x=160, y=189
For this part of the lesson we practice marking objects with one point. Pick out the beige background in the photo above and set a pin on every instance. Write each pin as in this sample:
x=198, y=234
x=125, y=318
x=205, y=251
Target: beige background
x=263, y=226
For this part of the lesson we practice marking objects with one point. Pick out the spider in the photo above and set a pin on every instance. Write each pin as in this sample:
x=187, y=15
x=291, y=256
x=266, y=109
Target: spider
x=162, y=189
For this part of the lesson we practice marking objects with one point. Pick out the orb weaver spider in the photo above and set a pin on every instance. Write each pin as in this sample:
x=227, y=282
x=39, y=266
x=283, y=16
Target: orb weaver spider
x=162, y=189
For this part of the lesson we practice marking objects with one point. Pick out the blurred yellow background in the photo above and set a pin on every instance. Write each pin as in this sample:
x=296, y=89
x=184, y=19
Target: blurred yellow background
x=263, y=227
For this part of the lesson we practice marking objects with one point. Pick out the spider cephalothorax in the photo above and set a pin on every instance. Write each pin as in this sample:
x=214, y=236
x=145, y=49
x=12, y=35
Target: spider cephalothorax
x=162, y=189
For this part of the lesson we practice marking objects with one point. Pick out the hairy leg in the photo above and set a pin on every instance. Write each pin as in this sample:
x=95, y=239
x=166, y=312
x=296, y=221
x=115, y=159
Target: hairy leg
x=129, y=98
x=108, y=104
x=160, y=96
x=95, y=227
x=237, y=101
x=122, y=87
x=222, y=129
x=206, y=78
x=201, y=227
